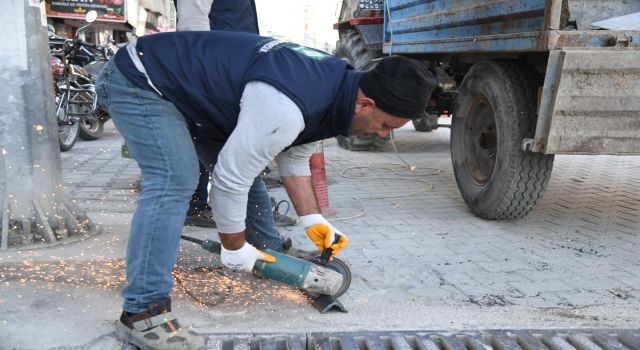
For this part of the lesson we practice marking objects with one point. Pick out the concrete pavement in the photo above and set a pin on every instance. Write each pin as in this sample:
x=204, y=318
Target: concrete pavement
x=419, y=258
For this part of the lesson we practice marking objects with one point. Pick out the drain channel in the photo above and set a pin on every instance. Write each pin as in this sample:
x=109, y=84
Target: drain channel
x=426, y=340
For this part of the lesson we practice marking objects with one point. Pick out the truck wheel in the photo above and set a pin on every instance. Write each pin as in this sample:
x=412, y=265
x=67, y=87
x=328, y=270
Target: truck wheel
x=426, y=124
x=360, y=143
x=351, y=48
x=494, y=111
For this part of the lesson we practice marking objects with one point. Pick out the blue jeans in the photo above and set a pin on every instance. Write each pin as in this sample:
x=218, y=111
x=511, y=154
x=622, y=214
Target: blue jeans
x=158, y=137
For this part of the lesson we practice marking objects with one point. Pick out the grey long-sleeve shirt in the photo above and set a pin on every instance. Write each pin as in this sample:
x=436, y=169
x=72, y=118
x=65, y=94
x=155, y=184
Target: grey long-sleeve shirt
x=269, y=121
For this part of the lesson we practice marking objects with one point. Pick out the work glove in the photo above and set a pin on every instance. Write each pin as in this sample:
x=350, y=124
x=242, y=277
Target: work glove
x=323, y=234
x=244, y=258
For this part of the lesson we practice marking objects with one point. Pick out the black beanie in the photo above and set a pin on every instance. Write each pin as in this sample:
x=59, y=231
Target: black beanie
x=400, y=86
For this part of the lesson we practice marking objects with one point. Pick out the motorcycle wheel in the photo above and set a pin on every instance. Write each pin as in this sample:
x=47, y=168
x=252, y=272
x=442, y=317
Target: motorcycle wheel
x=67, y=131
x=67, y=136
x=91, y=128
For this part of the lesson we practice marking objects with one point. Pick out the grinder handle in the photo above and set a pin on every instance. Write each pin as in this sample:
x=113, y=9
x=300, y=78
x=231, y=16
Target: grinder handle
x=207, y=244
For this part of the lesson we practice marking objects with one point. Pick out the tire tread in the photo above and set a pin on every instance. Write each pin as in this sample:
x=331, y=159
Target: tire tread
x=525, y=175
x=534, y=171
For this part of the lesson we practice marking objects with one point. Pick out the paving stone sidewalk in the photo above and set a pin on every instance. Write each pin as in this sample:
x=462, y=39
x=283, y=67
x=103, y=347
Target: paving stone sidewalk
x=419, y=258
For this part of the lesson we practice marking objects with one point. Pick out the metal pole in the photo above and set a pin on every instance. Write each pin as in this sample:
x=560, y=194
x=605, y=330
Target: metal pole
x=34, y=206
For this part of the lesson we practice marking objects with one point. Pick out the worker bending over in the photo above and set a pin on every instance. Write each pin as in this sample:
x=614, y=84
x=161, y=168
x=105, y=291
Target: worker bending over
x=247, y=100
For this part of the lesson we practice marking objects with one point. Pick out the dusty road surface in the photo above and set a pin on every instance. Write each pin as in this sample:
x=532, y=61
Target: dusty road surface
x=420, y=260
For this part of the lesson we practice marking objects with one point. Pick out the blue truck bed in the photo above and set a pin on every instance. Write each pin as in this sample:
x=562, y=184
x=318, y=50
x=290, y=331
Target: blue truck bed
x=464, y=26
x=525, y=79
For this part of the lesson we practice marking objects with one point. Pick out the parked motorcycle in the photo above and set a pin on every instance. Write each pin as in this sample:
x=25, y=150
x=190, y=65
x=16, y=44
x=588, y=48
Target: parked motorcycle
x=74, y=85
x=92, y=125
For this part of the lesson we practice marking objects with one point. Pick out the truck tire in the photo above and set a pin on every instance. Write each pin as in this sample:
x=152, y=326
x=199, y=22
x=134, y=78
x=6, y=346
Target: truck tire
x=360, y=143
x=494, y=111
x=426, y=124
x=351, y=47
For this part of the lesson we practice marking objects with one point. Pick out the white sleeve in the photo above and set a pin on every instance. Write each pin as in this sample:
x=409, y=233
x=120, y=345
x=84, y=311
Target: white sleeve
x=268, y=122
x=295, y=161
x=193, y=15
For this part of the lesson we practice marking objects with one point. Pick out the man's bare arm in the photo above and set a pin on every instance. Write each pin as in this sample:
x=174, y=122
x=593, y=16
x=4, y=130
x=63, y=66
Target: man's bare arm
x=301, y=194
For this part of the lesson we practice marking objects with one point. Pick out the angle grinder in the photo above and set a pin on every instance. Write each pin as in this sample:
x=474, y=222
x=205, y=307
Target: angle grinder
x=319, y=276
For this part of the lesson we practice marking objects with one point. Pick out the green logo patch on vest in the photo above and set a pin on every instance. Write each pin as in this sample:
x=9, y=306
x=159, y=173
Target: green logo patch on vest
x=303, y=50
x=311, y=53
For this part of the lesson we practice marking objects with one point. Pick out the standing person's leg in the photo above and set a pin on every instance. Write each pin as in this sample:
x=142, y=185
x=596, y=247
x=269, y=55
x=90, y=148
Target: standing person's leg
x=199, y=213
x=261, y=230
x=199, y=199
x=261, y=226
x=157, y=134
x=160, y=142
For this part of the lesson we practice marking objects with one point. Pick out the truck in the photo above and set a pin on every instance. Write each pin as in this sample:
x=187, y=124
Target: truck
x=523, y=80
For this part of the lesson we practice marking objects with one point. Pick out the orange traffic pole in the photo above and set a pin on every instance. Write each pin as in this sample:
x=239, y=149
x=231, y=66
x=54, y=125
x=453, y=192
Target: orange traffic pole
x=319, y=180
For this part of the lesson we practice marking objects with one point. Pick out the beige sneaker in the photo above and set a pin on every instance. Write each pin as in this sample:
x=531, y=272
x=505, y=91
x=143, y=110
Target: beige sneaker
x=157, y=329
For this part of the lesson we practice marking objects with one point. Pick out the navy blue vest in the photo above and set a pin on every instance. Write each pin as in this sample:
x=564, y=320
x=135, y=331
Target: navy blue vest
x=204, y=74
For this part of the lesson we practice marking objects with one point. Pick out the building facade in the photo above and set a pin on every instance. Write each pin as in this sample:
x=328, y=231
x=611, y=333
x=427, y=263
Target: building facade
x=118, y=20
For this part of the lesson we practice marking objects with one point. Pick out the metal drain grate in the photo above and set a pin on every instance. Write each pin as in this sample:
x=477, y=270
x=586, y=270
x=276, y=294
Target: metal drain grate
x=425, y=340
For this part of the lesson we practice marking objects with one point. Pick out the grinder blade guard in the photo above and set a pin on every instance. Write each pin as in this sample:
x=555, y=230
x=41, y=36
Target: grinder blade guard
x=323, y=302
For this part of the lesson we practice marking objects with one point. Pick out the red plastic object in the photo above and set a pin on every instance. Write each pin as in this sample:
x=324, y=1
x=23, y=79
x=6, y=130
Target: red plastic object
x=319, y=181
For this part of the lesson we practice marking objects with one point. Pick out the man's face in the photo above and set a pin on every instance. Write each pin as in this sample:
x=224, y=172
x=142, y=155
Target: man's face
x=370, y=120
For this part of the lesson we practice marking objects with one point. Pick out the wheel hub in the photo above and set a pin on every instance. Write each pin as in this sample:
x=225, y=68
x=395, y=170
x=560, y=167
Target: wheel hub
x=480, y=142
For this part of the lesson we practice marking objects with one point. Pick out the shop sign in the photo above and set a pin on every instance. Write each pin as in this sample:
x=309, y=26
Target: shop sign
x=108, y=10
